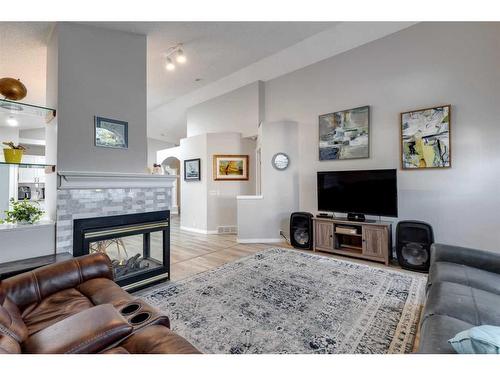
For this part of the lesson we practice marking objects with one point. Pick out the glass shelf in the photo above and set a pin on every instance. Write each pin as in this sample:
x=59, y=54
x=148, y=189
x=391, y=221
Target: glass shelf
x=48, y=167
x=16, y=108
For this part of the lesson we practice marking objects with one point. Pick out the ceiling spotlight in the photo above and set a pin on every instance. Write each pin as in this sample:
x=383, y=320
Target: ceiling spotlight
x=181, y=58
x=170, y=65
x=11, y=121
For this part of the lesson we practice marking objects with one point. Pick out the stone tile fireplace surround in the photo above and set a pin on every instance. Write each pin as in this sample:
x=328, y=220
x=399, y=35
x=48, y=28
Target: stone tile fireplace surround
x=87, y=195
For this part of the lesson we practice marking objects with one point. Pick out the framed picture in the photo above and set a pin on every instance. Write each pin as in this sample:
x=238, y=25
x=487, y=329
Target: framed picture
x=110, y=133
x=345, y=134
x=192, y=170
x=425, y=138
x=230, y=167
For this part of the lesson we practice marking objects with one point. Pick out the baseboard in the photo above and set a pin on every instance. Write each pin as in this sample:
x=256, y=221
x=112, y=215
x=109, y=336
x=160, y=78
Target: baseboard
x=196, y=230
x=259, y=240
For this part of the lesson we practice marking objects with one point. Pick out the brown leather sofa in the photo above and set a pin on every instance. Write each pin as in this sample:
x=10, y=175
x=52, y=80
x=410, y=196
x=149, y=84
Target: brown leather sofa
x=75, y=307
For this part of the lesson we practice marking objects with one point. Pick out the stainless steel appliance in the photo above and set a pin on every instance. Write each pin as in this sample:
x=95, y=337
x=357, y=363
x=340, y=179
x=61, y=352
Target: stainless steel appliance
x=23, y=192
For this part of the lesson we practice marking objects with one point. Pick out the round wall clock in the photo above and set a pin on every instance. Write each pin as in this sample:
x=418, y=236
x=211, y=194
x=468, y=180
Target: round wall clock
x=280, y=161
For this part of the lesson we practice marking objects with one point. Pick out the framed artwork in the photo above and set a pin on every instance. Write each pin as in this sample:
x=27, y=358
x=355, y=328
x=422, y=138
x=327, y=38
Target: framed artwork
x=110, y=133
x=425, y=138
x=192, y=170
x=345, y=134
x=230, y=167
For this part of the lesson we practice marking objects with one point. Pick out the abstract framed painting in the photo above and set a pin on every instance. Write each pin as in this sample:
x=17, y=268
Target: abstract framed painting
x=425, y=138
x=230, y=167
x=345, y=134
x=110, y=133
x=192, y=170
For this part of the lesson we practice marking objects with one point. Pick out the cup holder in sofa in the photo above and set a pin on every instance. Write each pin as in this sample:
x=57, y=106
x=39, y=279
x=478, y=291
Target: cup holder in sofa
x=140, y=318
x=130, y=309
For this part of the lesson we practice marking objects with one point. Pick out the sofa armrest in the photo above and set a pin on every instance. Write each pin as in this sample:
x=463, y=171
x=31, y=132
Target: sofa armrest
x=31, y=287
x=88, y=331
x=485, y=260
x=157, y=339
x=8, y=345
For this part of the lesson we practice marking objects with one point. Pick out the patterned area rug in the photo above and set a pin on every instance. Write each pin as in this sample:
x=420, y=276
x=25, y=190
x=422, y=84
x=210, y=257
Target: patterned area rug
x=285, y=301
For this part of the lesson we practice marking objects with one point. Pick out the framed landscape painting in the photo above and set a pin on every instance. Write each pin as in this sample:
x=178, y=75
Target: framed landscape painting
x=110, y=133
x=230, y=167
x=192, y=170
x=344, y=134
x=425, y=138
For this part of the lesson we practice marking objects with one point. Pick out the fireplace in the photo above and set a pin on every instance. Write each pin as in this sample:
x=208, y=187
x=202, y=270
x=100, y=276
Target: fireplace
x=137, y=244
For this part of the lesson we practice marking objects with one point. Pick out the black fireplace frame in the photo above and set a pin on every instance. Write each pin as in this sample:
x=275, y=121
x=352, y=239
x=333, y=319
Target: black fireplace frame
x=106, y=223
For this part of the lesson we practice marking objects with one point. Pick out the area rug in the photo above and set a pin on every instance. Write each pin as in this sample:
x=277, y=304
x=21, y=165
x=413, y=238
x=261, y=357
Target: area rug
x=286, y=301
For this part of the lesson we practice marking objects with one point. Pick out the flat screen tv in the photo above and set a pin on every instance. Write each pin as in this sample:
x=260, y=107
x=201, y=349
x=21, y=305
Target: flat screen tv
x=370, y=192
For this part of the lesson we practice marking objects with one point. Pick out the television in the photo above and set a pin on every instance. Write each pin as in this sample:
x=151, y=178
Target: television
x=370, y=192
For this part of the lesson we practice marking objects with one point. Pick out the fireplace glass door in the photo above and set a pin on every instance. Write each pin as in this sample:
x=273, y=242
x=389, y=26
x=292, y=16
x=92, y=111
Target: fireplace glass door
x=139, y=250
x=130, y=255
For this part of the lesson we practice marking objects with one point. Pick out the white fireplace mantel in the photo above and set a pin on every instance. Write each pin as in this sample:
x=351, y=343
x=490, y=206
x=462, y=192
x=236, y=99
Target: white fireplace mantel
x=106, y=180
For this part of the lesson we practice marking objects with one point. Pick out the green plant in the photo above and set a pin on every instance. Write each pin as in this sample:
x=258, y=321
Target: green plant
x=13, y=146
x=23, y=211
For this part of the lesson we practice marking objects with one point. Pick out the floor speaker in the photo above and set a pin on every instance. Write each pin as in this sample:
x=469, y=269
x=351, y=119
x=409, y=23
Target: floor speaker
x=413, y=245
x=301, y=233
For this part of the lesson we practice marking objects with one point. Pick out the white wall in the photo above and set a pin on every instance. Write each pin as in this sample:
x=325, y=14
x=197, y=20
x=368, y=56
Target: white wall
x=237, y=111
x=194, y=193
x=100, y=72
x=161, y=155
x=155, y=145
x=8, y=179
x=261, y=218
x=426, y=65
x=207, y=204
x=221, y=199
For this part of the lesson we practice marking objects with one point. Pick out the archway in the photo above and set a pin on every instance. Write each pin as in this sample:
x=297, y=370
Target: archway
x=172, y=166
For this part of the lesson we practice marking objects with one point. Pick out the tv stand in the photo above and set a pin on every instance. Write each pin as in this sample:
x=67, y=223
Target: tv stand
x=370, y=240
x=351, y=216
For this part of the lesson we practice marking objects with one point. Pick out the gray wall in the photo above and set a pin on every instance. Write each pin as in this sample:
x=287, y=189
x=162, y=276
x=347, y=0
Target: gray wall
x=426, y=65
x=100, y=72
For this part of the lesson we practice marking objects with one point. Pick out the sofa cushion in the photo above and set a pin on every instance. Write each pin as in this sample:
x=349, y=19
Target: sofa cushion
x=101, y=291
x=471, y=305
x=435, y=332
x=461, y=274
x=54, y=308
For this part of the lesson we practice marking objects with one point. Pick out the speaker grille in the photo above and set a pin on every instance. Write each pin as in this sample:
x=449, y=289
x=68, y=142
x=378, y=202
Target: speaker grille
x=413, y=242
x=301, y=230
x=415, y=254
x=301, y=236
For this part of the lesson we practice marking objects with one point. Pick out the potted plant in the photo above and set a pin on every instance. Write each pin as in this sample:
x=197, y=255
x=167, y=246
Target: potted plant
x=23, y=212
x=13, y=153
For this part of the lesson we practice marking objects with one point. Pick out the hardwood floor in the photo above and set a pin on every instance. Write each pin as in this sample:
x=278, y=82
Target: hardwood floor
x=192, y=253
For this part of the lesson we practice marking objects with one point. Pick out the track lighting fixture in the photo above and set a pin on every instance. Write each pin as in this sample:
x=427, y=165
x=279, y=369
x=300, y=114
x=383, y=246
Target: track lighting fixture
x=176, y=52
x=170, y=65
x=181, y=58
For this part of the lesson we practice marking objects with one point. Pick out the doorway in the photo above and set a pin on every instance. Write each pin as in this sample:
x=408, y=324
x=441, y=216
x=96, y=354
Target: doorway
x=172, y=167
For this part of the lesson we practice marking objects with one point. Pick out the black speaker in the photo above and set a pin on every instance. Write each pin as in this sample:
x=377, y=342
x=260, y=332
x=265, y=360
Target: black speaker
x=301, y=233
x=413, y=245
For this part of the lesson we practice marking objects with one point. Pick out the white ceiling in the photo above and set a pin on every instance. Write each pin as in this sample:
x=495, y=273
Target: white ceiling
x=225, y=55
x=213, y=49
x=23, y=54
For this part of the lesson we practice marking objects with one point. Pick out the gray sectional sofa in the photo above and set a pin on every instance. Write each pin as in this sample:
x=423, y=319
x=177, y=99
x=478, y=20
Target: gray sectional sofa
x=463, y=291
